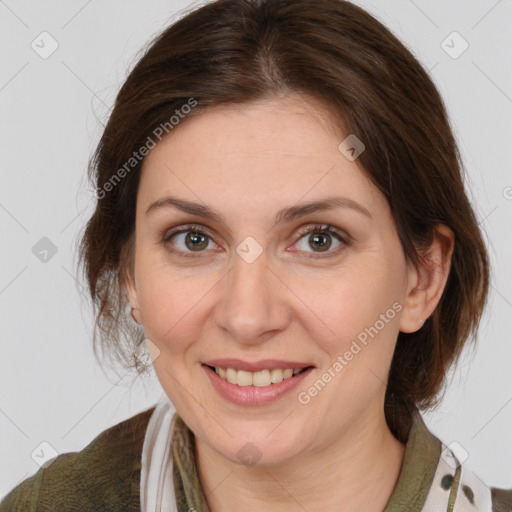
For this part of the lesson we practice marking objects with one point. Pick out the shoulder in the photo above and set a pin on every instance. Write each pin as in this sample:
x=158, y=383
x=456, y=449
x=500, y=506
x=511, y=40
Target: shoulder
x=456, y=479
x=446, y=478
x=105, y=475
x=501, y=499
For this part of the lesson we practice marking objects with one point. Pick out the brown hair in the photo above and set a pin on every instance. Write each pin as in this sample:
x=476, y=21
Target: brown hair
x=236, y=51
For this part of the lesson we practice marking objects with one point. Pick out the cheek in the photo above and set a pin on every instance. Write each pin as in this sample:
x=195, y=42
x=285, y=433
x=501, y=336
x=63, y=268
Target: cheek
x=354, y=322
x=173, y=305
x=343, y=305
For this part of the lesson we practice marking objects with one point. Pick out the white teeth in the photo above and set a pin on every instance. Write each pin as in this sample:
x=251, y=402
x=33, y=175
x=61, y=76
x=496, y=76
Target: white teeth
x=258, y=379
x=244, y=378
x=231, y=375
x=276, y=376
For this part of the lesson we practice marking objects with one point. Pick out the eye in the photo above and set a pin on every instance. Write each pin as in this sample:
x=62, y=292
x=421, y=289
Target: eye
x=196, y=240
x=320, y=237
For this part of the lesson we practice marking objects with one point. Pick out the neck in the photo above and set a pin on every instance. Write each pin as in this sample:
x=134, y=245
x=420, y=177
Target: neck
x=358, y=472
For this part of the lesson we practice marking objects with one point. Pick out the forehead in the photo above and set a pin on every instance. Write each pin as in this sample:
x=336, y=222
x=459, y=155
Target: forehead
x=272, y=151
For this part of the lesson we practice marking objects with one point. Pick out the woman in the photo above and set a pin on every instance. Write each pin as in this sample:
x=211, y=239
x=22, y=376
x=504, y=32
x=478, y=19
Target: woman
x=280, y=207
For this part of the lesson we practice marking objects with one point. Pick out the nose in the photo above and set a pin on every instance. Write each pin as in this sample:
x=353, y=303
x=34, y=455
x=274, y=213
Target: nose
x=253, y=302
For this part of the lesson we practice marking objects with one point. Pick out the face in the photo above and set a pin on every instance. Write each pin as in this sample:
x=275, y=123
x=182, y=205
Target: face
x=253, y=285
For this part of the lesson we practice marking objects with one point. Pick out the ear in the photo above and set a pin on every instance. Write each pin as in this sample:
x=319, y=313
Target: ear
x=426, y=281
x=128, y=284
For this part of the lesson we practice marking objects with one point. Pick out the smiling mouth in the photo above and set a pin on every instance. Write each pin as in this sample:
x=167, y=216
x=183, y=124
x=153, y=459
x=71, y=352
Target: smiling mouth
x=259, y=379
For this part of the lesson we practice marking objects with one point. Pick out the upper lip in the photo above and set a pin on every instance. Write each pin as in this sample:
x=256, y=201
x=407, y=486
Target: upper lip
x=256, y=366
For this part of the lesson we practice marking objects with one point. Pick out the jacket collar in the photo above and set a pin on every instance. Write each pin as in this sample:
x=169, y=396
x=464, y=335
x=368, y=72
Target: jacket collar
x=421, y=456
x=422, y=452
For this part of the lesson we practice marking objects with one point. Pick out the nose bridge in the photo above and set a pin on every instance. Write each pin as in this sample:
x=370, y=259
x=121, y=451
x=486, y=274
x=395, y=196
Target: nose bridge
x=250, y=304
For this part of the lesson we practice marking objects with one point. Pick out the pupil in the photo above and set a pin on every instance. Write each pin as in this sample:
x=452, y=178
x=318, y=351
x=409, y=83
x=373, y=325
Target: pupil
x=316, y=238
x=196, y=237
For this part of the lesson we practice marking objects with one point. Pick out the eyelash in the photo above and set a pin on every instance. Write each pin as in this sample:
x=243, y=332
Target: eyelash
x=308, y=230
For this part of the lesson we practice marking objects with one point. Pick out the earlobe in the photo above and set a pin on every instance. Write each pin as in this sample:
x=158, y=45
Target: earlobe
x=426, y=281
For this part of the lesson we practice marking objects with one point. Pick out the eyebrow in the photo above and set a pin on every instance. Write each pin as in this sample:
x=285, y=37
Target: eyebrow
x=285, y=215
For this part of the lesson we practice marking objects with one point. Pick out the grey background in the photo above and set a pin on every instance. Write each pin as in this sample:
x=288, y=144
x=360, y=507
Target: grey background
x=52, y=390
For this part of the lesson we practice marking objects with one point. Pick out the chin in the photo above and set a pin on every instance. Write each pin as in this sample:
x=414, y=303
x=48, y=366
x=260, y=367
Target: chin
x=260, y=450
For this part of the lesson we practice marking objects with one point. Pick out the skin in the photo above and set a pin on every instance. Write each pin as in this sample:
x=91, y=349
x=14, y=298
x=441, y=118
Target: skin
x=247, y=162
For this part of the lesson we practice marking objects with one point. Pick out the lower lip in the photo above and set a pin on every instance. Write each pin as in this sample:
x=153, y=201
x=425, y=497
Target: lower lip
x=254, y=395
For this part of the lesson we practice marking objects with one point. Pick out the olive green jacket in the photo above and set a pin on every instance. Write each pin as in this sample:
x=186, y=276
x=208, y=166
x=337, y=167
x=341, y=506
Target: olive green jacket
x=105, y=475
